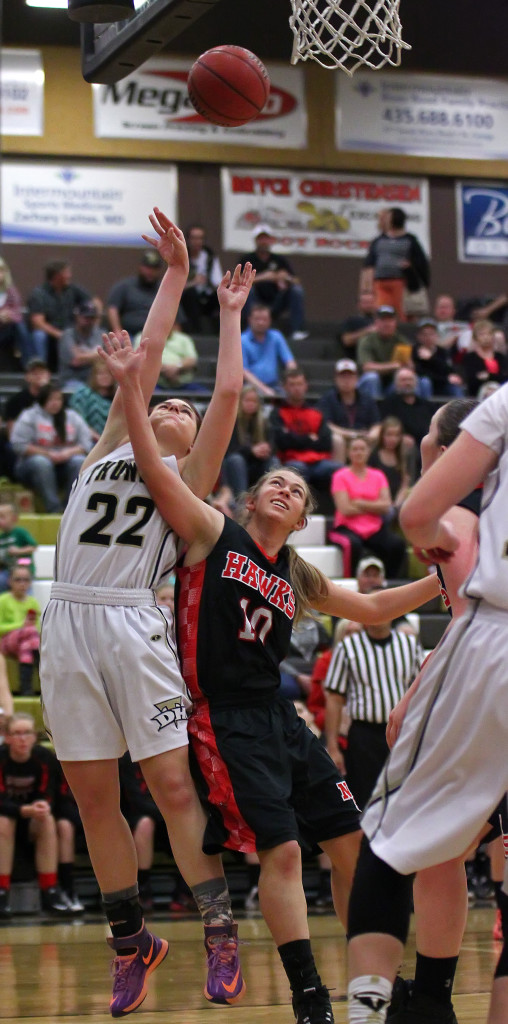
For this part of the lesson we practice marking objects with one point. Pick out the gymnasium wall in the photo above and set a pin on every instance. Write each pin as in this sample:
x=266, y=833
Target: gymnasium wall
x=330, y=283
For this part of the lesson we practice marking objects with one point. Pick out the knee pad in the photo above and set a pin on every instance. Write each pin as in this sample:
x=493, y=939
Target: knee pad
x=380, y=898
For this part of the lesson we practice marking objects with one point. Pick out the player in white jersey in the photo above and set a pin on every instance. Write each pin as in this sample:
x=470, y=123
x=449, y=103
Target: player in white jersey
x=110, y=676
x=443, y=778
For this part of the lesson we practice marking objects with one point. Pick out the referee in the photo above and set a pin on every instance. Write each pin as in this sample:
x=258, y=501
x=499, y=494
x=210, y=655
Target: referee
x=369, y=671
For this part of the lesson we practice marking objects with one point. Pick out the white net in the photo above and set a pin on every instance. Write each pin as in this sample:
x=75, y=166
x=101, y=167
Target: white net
x=347, y=34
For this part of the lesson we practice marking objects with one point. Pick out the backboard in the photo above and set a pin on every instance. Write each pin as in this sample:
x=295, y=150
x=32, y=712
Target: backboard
x=110, y=52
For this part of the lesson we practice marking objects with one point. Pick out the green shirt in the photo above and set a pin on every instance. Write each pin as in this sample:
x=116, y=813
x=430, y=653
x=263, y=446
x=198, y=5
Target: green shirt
x=374, y=349
x=16, y=537
x=13, y=612
x=178, y=347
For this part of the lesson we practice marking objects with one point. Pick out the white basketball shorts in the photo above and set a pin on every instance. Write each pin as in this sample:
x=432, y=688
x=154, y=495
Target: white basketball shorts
x=110, y=677
x=448, y=770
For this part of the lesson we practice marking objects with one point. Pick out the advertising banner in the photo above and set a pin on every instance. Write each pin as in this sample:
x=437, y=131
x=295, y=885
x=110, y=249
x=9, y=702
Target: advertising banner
x=314, y=213
x=82, y=204
x=21, y=92
x=422, y=115
x=153, y=103
x=482, y=222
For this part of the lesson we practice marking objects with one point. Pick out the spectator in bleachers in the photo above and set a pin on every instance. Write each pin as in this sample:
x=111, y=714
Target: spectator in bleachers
x=15, y=543
x=276, y=285
x=37, y=375
x=131, y=298
x=20, y=624
x=51, y=309
x=395, y=262
x=433, y=364
x=250, y=451
x=380, y=353
x=51, y=443
x=68, y=827
x=415, y=413
x=448, y=325
x=350, y=330
x=483, y=363
x=28, y=783
x=347, y=412
x=307, y=639
x=199, y=297
x=302, y=439
x=390, y=456
x=77, y=346
x=362, y=499
x=15, y=339
x=179, y=362
x=93, y=400
x=265, y=351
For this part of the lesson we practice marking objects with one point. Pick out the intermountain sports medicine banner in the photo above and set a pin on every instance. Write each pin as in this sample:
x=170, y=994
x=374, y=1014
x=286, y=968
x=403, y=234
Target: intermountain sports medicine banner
x=153, y=103
x=482, y=222
x=422, y=115
x=314, y=213
x=82, y=204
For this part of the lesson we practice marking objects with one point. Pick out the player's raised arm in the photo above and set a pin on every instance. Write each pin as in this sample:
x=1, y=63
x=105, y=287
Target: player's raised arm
x=380, y=606
x=170, y=243
x=201, y=468
x=465, y=464
x=194, y=521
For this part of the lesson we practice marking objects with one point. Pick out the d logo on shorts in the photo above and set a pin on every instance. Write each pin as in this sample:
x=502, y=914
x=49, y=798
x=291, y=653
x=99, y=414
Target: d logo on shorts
x=170, y=712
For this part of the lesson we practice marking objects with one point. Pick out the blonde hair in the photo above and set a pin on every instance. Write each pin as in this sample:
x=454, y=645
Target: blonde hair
x=251, y=427
x=309, y=584
x=482, y=325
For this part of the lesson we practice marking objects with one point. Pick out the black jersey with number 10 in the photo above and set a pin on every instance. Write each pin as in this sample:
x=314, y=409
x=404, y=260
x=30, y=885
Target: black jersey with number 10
x=235, y=614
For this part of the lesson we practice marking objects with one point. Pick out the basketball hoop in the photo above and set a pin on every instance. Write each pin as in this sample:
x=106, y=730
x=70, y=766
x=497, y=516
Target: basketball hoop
x=347, y=34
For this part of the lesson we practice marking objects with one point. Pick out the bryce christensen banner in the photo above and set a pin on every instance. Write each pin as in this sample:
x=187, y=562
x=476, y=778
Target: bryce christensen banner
x=314, y=213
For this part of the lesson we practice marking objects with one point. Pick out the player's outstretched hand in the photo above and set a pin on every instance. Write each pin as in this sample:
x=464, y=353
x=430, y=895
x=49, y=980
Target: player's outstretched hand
x=123, y=362
x=170, y=242
x=234, y=288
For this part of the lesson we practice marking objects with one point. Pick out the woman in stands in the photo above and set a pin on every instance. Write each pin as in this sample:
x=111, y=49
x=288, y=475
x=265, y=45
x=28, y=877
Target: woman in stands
x=361, y=496
x=267, y=778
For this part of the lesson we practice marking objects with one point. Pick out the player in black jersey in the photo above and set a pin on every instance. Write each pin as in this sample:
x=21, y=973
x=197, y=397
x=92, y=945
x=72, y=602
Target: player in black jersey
x=270, y=785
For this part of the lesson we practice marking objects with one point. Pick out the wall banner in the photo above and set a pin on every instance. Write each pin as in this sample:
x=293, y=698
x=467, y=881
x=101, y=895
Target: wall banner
x=422, y=115
x=482, y=222
x=82, y=204
x=314, y=213
x=21, y=92
x=153, y=103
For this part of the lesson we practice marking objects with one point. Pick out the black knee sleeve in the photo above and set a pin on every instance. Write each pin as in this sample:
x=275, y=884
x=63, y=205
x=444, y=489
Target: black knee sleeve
x=380, y=898
x=501, y=970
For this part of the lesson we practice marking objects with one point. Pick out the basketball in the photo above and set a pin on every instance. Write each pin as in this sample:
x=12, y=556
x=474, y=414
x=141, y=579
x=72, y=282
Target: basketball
x=228, y=85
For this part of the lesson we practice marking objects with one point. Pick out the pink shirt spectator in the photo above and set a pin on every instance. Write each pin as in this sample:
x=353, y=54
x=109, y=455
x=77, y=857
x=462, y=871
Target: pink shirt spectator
x=365, y=524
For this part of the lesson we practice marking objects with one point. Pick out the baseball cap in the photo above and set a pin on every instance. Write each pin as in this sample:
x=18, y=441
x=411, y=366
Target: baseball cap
x=262, y=229
x=368, y=562
x=36, y=364
x=346, y=366
x=151, y=258
x=385, y=311
x=87, y=309
x=426, y=321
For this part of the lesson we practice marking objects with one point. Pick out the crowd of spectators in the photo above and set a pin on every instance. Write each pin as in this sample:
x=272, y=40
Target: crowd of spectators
x=355, y=440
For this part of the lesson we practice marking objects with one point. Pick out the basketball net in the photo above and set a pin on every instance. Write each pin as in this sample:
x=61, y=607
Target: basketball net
x=347, y=34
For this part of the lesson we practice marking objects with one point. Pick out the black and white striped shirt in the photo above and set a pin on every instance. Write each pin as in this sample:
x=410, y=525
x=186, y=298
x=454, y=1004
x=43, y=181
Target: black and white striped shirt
x=373, y=675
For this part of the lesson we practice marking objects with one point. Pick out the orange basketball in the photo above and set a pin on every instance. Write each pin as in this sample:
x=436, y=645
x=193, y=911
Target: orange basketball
x=228, y=85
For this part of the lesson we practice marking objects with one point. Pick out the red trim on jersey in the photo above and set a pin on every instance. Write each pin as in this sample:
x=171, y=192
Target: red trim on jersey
x=200, y=728
x=214, y=770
